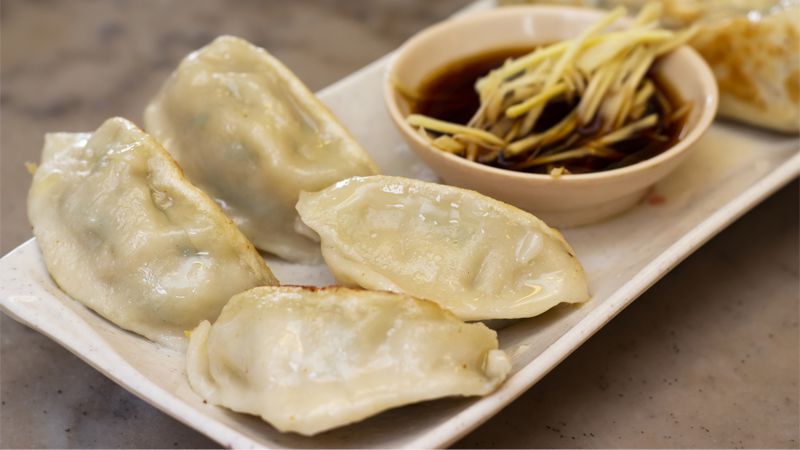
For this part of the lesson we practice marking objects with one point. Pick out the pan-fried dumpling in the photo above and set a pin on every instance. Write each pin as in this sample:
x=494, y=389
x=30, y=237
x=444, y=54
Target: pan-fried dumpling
x=757, y=66
x=308, y=360
x=252, y=136
x=123, y=232
x=478, y=257
x=753, y=47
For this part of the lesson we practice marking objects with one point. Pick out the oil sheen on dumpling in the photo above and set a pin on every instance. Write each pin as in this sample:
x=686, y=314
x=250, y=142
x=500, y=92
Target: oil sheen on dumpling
x=123, y=232
x=252, y=136
x=476, y=256
x=308, y=360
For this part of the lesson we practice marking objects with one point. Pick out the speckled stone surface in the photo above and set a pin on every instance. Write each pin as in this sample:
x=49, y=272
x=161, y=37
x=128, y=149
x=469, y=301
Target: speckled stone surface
x=708, y=357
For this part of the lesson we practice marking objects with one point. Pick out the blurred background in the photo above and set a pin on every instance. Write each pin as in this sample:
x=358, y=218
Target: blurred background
x=684, y=366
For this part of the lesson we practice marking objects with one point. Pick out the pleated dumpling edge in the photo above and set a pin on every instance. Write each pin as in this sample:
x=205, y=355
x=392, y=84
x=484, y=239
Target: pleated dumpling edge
x=476, y=256
x=248, y=132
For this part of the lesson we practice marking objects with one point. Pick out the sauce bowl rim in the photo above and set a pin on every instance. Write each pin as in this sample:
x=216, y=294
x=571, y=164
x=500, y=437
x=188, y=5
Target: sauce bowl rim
x=702, y=72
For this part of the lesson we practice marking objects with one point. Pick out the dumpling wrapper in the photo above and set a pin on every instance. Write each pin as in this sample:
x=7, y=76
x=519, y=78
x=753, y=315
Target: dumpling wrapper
x=476, y=256
x=124, y=233
x=308, y=360
x=252, y=136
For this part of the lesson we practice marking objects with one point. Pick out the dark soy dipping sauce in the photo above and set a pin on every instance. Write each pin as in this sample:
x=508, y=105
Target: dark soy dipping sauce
x=449, y=94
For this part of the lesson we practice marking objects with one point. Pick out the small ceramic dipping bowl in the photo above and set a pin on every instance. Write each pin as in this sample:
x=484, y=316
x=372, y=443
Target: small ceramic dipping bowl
x=571, y=199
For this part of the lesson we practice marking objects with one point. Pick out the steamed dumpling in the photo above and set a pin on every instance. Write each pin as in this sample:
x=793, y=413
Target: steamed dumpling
x=123, y=232
x=478, y=257
x=252, y=136
x=308, y=360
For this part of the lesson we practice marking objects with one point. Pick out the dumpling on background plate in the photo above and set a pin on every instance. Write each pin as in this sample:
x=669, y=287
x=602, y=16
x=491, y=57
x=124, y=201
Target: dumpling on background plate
x=476, y=256
x=251, y=135
x=308, y=360
x=123, y=232
x=756, y=60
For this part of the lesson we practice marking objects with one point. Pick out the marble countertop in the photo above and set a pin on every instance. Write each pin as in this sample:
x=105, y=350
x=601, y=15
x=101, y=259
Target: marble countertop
x=708, y=357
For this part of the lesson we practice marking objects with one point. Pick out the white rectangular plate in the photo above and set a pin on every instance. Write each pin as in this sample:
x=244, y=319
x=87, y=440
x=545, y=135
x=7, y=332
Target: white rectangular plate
x=731, y=170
